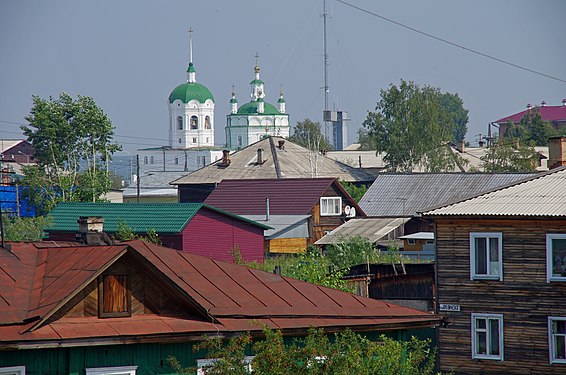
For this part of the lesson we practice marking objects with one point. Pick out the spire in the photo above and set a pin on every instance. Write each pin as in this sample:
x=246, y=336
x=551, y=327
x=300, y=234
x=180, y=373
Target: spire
x=281, y=100
x=256, y=69
x=257, y=83
x=233, y=101
x=191, y=72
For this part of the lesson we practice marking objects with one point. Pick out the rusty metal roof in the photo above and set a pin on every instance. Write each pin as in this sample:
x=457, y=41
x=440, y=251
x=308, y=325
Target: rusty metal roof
x=543, y=195
x=36, y=281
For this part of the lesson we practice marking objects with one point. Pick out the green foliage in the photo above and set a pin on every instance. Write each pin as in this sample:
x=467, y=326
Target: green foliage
x=358, y=250
x=532, y=129
x=25, y=229
x=308, y=134
x=70, y=138
x=125, y=233
x=509, y=155
x=343, y=353
x=356, y=192
x=413, y=127
x=453, y=106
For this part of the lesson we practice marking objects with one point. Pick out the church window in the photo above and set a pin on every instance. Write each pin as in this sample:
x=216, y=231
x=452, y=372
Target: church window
x=239, y=141
x=114, y=296
x=194, y=122
x=180, y=140
x=176, y=160
x=207, y=122
x=207, y=139
x=145, y=159
x=151, y=160
x=179, y=123
x=194, y=140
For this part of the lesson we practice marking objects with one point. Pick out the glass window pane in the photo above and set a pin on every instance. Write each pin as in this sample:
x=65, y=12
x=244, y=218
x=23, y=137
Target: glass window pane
x=559, y=257
x=494, y=249
x=481, y=343
x=494, y=336
x=480, y=323
x=324, y=206
x=560, y=347
x=481, y=256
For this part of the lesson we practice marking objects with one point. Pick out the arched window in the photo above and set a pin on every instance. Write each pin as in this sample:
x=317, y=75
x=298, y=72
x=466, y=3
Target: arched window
x=207, y=122
x=194, y=122
x=151, y=160
x=145, y=159
x=179, y=123
x=239, y=141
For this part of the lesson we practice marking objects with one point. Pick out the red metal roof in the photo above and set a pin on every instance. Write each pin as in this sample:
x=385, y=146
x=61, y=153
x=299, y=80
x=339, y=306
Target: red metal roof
x=288, y=196
x=36, y=281
x=547, y=113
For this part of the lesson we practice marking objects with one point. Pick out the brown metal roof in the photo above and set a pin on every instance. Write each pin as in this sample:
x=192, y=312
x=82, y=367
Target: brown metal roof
x=36, y=281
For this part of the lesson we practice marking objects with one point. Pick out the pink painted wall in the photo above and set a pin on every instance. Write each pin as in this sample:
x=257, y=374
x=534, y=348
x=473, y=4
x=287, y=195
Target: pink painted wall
x=213, y=235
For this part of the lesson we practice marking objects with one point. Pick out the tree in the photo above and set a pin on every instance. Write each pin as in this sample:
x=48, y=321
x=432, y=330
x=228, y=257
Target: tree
x=25, y=229
x=346, y=352
x=532, y=129
x=413, y=128
x=356, y=192
x=308, y=134
x=458, y=116
x=70, y=138
x=509, y=155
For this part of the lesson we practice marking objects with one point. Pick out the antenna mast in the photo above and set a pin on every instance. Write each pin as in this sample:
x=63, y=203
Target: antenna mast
x=324, y=16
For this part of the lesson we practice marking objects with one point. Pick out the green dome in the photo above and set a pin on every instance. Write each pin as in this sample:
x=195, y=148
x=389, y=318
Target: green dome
x=189, y=91
x=251, y=108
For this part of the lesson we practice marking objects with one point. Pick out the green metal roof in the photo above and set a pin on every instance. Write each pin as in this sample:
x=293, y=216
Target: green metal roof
x=140, y=217
x=251, y=108
x=256, y=82
x=281, y=100
x=233, y=100
x=189, y=91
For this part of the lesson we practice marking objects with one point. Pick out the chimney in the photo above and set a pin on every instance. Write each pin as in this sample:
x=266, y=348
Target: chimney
x=281, y=145
x=564, y=102
x=260, y=156
x=462, y=146
x=266, y=208
x=556, y=152
x=225, y=158
x=543, y=104
x=90, y=224
x=91, y=231
x=529, y=106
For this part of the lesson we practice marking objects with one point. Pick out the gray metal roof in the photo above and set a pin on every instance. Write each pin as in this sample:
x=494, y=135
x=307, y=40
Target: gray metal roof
x=543, y=195
x=292, y=161
x=284, y=226
x=404, y=194
x=419, y=236
x=373, y=229
x=155, y=183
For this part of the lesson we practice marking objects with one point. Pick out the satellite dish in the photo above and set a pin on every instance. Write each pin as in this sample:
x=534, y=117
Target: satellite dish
x=352, y=212
x=347, y=210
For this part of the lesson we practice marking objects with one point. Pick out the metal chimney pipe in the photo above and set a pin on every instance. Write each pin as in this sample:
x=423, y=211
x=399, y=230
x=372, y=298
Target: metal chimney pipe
x=266, y=208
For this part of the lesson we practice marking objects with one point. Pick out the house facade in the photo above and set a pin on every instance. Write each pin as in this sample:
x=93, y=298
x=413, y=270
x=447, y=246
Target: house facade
x=195, y=228
x=501, y=279
x=124, y=309
x=554, y=114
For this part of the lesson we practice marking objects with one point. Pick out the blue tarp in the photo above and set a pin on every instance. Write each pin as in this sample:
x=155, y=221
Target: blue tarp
x=9, y=203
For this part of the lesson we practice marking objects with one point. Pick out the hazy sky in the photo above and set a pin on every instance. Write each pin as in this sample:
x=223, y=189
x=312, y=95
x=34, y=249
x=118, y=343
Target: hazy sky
x=128, y=55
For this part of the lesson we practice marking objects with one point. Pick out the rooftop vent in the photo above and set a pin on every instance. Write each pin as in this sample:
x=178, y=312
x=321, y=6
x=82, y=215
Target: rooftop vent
x=281, y=145
x=260, y=156
x=543, y=104
x=529, y=106
x=225, y=158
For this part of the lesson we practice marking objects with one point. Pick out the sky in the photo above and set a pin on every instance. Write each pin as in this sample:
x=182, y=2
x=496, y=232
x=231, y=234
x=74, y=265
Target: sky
x=129, y=55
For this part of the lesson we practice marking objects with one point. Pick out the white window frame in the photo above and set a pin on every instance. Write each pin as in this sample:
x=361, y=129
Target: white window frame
x=203, y=363
x=331, y=199
x=121, y=370
x=17, y=370
x=549, y=259
x=473, y=274
x=488, y=317
x=551, y=341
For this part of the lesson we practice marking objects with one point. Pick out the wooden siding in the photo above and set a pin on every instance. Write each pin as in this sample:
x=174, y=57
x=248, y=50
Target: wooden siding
x=322, y=224
x=524, y=297
x=286, y=245
x=214, y=235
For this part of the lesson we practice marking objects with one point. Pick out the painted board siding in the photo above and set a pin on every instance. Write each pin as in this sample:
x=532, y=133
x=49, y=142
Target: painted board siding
x=524, y=297
x=213, y=235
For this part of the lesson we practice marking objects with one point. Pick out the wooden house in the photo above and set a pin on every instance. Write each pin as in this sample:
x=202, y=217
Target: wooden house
x=321, y=203
x=124, y=309
x=501, y=279
x=270, y=158
x=192, y=227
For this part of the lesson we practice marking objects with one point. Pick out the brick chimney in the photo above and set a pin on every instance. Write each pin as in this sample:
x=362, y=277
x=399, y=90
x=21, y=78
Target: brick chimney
x=225, y=158
x=260, y=156
x=543, y=104
x=91, y=231
x=281, y=145
x=556, y=152
x=564, y=102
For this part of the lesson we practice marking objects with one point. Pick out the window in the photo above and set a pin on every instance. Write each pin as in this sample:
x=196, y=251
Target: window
x=330, y=206
x=485, y=256
x=207, y=122
x=555, y=257
x=201, y=161
x=145, y=159
x=239, y=141
x=194, y=122
x=180, y=141
x=204, y=364
x=411, y=241
x=557, y=339
x=122, y=370
x=179, y=123
x=194, y=140
x=114, y=298
x=14, y=370
x=487, y=336
x=151, y=160
x=176, y=160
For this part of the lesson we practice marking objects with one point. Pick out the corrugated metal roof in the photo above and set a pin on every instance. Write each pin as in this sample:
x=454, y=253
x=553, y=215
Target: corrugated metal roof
x=373, y=229
x=293, y=161
x=140, y=217
x=543, y=195
x=406, y=194
x=36, y=281
x=547, y=113
x=419, y=236
x=284, y=226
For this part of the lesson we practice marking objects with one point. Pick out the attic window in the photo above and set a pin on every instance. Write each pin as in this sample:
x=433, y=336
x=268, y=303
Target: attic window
x=114, y=299
x=330, y=206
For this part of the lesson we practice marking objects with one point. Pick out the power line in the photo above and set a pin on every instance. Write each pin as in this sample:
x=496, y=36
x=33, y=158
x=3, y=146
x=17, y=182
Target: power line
x=452, y=43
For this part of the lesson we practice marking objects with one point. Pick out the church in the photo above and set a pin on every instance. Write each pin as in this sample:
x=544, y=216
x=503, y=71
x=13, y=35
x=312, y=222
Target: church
x=191, y=125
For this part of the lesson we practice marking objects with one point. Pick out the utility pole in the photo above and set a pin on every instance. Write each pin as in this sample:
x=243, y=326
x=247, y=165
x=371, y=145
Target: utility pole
x=138, y=177
x=326, y=89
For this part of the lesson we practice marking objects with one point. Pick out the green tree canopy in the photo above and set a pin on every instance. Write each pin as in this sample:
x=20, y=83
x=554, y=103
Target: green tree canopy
x=70, y=138
x=308, y=134
x=413, y=126
x=509, y=155
x=531, y=129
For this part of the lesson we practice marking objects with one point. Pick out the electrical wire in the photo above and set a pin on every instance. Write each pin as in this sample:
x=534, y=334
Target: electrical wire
x=506, y=62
